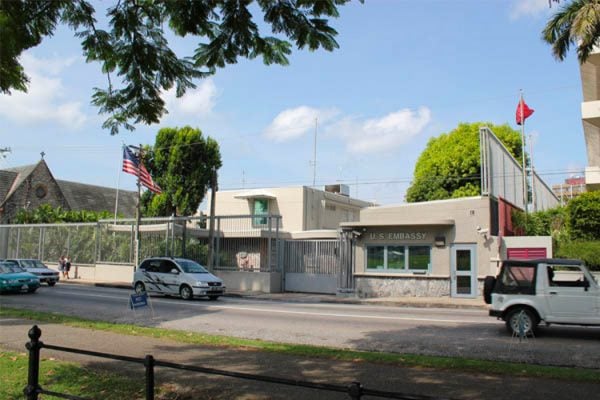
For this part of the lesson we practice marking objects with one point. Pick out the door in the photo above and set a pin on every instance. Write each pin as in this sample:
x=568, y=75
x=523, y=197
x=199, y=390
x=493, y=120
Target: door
x=463, y=270
x=571, y=296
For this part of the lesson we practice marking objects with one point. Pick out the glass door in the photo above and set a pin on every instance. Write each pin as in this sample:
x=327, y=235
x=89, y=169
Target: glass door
x=463, y=270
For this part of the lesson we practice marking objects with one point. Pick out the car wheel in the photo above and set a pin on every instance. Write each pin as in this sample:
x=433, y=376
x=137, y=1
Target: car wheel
x=139, y=288
x=51, y=283
x=186, y=292
x=488, y=286
x=213, y=297
x=521, y=322
x=32, y=290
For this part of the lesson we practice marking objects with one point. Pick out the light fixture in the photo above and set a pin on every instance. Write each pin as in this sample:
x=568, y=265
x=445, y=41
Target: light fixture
x=440, y=241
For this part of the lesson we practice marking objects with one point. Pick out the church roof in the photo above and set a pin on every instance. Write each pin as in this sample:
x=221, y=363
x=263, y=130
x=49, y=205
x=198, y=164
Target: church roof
x=81, y=196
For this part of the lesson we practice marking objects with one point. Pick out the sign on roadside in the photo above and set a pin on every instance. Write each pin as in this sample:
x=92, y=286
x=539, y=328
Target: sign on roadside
x=138, y=300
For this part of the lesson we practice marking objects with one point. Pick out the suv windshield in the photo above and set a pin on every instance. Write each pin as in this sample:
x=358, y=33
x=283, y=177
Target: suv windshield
x=191, y=267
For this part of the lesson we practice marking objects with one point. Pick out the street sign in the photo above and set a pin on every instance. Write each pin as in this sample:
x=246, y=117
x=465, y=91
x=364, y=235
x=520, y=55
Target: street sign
x=138, y=300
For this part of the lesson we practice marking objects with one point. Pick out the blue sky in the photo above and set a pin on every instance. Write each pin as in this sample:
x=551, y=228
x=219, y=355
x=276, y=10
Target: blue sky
x=406, y=71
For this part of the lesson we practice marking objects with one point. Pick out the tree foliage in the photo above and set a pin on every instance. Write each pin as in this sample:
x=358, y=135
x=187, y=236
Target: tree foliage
x=134, y=52
x=450, y=165
x=584, y=216
x=575, y=23
x=46, y=214
x=182, y=162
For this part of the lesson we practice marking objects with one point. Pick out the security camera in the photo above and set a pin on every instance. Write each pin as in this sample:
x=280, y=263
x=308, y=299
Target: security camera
x=482, y=231
x=356, y=233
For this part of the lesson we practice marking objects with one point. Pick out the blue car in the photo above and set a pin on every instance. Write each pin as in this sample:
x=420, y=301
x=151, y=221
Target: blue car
x=15, y=279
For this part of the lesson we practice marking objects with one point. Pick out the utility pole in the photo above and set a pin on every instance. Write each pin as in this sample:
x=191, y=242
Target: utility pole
x=315, y=155
x=211, y=229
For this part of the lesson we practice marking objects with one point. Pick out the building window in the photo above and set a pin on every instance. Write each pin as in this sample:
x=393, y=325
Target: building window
x=395, y=258
x=40, y=191
x=261, y=207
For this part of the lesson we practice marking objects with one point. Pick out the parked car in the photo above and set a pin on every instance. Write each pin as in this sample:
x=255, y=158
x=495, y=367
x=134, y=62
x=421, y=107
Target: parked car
x=176, y=276
x=15, y=279
x=553, y=291
x=36, y=267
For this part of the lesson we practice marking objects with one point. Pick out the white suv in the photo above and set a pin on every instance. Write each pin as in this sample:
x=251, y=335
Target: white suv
x=176, y=276
x=553, y=291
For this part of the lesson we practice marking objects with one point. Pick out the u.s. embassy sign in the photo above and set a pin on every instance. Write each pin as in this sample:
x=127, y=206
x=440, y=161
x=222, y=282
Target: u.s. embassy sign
x=397, y=236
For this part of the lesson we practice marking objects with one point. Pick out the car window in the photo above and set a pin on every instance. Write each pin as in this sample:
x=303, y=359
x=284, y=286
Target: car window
x=191, y=267
x=9, y=268
x=32, y=264
x=166, y=266
x=568, y=276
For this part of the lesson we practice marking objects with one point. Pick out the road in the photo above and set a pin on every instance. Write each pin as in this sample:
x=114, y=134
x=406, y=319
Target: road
x=428, y=331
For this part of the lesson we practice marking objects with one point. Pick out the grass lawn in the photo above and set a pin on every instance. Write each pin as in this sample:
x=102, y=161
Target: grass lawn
x=64, y=377
x=407, y=360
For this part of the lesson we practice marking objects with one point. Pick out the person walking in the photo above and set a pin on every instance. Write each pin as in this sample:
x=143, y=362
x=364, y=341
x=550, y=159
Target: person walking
x=67, y=266
x=61, y=265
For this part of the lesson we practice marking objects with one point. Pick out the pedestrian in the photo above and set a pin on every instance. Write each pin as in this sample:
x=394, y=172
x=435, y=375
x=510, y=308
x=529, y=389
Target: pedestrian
x=67, y=266
x=61, y=265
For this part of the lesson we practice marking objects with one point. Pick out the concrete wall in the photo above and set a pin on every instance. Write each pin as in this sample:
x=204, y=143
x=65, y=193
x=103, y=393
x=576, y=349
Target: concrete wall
x=266, y=282
x=301, y=208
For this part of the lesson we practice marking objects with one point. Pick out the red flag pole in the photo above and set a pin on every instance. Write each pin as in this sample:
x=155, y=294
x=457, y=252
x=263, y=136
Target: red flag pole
x=522, y=114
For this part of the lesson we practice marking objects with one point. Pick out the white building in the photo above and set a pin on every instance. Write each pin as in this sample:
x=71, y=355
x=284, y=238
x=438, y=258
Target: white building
x=590, y=116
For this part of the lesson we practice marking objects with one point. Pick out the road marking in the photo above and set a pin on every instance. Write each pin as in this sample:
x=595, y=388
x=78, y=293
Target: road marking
x=307, y=313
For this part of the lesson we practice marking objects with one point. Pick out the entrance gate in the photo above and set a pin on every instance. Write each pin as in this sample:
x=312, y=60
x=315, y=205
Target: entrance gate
x=311, y=266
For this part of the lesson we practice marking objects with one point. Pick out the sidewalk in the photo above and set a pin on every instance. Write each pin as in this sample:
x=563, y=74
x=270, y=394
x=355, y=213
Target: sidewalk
x=190, y=385
x=430, y=302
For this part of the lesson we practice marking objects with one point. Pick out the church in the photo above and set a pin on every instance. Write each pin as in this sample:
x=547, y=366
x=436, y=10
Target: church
x=30, y=186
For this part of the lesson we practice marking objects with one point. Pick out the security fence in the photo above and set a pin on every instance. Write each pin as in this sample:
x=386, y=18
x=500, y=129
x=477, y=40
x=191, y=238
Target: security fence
x=242, y=242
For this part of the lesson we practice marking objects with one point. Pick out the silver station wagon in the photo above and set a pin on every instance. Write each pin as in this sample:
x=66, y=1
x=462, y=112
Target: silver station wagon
x=176, y=276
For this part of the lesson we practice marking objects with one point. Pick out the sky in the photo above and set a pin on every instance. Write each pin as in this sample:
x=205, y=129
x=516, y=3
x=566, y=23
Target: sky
x=406, y=71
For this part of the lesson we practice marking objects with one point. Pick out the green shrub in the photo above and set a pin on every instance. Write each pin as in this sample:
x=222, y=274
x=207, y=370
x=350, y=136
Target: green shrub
x=584, y=216
x=588, y=251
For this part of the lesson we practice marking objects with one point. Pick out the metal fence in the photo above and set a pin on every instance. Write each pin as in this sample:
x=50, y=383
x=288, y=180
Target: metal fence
x=312, y=256
x=242, y=242
x=354, y=390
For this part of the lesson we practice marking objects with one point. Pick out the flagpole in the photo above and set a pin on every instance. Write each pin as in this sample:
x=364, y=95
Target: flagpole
x=533, y=197
x=521, y=115
x=138, y=216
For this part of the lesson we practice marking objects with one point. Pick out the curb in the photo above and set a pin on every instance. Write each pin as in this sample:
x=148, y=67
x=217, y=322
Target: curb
x=308, y=299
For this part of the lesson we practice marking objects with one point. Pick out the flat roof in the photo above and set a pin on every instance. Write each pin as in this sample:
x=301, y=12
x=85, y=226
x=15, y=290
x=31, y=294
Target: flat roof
x=422, y=222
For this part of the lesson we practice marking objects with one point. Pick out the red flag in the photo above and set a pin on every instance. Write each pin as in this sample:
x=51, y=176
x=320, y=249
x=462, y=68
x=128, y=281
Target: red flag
x=523, y=112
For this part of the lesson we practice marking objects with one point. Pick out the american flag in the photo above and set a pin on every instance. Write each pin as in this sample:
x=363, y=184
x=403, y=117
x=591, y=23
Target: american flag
x=132, y=165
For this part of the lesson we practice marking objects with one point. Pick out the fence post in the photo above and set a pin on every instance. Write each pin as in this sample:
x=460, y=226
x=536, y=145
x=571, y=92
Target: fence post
x=355, y=390
x=34, y=346
x=149, y=364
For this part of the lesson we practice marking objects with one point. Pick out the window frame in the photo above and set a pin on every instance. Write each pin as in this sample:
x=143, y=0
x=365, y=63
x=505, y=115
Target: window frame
x=257, y=218
x=406, y=269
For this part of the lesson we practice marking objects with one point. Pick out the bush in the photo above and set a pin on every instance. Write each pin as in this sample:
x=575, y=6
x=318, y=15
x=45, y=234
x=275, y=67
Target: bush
x=588, y=251
x=584, y=216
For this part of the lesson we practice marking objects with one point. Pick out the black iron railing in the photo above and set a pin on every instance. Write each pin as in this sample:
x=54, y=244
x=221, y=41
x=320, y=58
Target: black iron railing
x=354, y=390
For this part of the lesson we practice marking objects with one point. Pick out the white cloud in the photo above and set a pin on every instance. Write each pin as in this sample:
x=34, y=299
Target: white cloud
x=529, y=8
x=199, y=101
x=44, y=101
x=381, y=134
x=295, y=122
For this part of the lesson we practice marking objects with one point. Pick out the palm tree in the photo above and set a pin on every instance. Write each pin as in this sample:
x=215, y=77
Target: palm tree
x=577, y=22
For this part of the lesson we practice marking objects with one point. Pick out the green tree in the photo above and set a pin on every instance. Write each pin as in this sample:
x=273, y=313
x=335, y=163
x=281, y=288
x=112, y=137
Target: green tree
x=575, y=23
x=133, y=45
x=181, y=162
x=450, y=165
x=584, y=216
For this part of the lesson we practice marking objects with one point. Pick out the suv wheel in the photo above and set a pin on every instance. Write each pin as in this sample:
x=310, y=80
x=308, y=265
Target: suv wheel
x=186, y=292
x=521, y=322
x=51, y=283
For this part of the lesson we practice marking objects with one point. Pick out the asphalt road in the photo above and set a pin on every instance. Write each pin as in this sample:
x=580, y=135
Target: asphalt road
x=430, y=331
